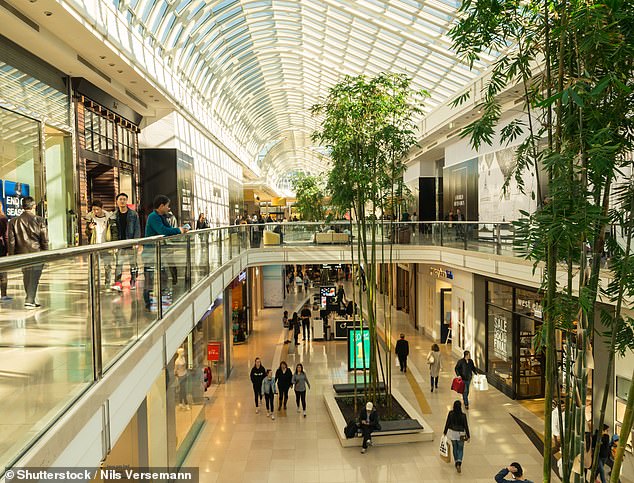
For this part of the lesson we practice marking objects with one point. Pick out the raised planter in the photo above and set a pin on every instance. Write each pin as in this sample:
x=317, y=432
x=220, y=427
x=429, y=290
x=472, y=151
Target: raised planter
x=411, y=429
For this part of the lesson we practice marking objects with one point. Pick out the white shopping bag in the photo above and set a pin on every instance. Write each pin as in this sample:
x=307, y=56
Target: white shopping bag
x=444, y=449
x=480, y=382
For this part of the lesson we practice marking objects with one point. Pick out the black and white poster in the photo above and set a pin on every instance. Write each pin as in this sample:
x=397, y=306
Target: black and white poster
x=460, y=190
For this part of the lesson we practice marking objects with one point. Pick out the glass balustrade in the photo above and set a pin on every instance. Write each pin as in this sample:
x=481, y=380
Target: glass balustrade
x=106, y=297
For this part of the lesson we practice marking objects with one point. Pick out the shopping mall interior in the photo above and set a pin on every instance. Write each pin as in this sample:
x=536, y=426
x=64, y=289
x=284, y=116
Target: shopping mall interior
x=362, y=191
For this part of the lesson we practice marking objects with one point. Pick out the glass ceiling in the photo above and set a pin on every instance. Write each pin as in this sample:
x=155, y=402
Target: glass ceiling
x=261, y=64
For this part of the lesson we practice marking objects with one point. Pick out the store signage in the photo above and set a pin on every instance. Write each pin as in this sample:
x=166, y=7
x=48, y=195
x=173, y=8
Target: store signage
x=358, y=349
x=242, y=276
x=500, y=333
x=213, y=351
x=531, y=305
x=12, y=198
x=440, y=273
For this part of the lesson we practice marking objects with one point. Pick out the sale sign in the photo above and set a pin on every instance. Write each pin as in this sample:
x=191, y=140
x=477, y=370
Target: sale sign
x=13, y=194
x=213, y=351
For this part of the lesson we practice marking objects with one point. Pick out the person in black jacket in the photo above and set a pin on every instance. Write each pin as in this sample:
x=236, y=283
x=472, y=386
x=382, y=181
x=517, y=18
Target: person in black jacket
x=306, y=314
x=465, y=369
x=368, y=422
x=402, y=351
x=284, y=377
x=258, y=373
x=296, y=327
x=457, y=431
x=516, y=471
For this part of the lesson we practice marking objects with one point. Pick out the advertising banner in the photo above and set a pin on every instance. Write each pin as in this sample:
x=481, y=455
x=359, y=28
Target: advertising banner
x=12, y=198
x=358, y=347
x=460, y=189
x=213, y=351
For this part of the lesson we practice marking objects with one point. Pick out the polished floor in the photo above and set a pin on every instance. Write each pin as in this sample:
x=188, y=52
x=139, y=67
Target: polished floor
x=238, y=445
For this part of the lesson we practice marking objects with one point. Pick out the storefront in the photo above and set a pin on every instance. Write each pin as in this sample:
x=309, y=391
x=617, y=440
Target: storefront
x=219, y=341
x=107, y=147
x=513, y=318
x=36, y=141
x=446, y=308
x=241, y=325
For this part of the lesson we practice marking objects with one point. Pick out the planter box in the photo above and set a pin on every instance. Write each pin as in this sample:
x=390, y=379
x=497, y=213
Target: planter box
x=389, y=435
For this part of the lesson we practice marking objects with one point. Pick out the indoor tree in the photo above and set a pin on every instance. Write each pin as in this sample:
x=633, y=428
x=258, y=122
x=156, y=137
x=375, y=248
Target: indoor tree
x=573, y=62
x=309, y=193
x=368, y=127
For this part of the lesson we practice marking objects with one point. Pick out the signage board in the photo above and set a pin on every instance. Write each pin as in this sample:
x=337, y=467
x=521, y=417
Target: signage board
x=326, y=291
x=213, y=351
x=12, y=198
x=441, y=273
x=358, y=349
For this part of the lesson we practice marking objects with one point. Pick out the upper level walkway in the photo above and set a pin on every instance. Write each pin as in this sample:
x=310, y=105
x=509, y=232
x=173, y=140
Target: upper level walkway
x=75, y=347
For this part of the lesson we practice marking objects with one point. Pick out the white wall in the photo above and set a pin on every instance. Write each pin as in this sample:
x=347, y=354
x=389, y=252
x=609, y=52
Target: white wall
x=213, y=168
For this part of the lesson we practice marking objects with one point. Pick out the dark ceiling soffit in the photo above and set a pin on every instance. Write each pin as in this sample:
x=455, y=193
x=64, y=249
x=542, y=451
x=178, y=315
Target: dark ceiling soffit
x=85, y=88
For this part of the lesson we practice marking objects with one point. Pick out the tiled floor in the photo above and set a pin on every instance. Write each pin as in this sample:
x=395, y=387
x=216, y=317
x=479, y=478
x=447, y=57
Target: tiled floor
x=238, y=445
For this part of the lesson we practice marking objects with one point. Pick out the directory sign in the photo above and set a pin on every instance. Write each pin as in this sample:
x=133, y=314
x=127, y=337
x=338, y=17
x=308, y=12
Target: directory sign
x=12, y=198
x=358, y=349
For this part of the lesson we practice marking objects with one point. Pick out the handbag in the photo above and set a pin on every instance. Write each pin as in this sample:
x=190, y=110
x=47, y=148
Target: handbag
x=457, y=385
x=480, y=382
x=443, y=449
x=431, y=359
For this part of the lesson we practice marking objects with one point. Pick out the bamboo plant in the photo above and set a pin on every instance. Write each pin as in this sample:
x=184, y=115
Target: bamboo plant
x=368, y=127
x=573, y=63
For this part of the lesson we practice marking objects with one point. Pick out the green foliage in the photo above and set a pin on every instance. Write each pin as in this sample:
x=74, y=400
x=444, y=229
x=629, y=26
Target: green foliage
x=368, y=127
x=309, y=192
x=573, y=63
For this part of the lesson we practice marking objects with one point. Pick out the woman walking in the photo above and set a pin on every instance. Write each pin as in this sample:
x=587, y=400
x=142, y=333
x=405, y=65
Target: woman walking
x=433, y=359
x=297, y=328
x=258, y=373
x=457, y=431
x=300, y=382
x=268, y=389
x=284, y=377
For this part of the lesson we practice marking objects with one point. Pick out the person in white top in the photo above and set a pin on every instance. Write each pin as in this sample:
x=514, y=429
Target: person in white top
x=98, y=231
x=180, y=371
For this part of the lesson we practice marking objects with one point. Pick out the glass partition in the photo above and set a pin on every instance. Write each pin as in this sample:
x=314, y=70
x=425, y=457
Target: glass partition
x=45, y=348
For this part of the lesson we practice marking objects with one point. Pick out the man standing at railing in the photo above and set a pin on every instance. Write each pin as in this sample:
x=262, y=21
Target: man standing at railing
x=157, y=225
x=28, y=234
x=124, y=224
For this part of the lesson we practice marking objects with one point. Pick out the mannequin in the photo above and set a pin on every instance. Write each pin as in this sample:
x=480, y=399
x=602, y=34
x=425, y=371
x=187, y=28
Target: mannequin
x=180, y=371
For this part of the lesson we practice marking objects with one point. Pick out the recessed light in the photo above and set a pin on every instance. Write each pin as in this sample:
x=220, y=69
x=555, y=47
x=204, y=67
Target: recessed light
x=111, y=65
x=132, y=82
x=156, y=100
x=102, y=57
x=47, y=13
x=32, y=1
x=120, y=71
x=144, y=92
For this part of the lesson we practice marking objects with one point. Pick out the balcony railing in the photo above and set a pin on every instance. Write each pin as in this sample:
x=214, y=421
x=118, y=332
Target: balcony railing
x=98, y=300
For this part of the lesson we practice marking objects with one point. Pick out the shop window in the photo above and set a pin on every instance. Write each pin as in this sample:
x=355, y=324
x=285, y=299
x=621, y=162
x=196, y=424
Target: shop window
x=500, y=344
x=530, y=362
x=500, y=295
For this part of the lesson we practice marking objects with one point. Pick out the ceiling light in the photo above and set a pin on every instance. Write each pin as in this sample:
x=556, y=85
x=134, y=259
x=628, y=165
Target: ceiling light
x=120, y=71
x=47, y=13
x=102, y=57
x=111, y=65
x=132, y=82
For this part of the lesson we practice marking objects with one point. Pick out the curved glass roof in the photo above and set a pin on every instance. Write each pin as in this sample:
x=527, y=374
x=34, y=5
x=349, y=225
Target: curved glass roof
x=261, y=64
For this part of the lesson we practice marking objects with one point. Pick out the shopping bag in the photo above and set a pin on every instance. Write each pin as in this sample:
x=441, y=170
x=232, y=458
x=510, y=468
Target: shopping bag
x=480, y=382
x=443, y=450
x=458, y=385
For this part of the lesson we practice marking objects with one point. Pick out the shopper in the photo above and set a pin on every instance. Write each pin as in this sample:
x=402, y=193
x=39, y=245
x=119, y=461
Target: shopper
x=457, y=431
x=27, y=234
x=516, y=471
x=465, y=369
x=98, y=231
x=157, y=225
x=284, y=378
x=306, y=314
x=269, y=390
x=296, y=327
x=4, y=251
x=604, y=452
x=258, y=373
x=368, y=422
x=434, y=361
x=202, y=222
x=124, y=224
x=402, y=351
x=300, y=383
